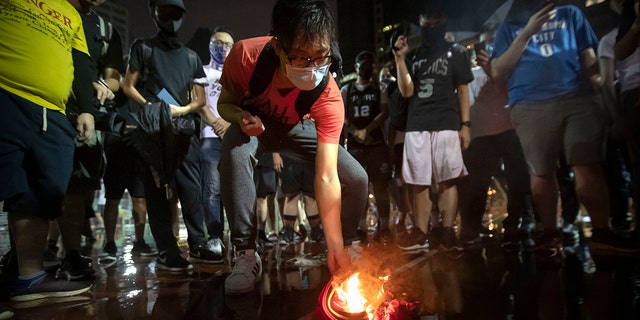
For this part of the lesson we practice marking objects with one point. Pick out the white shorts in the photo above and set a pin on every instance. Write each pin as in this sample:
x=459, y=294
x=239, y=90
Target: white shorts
x=432, y=156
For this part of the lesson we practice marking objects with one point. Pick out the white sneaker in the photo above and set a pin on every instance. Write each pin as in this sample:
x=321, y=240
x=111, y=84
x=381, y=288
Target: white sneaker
x=354, y=251
x=215, y=245
x=246, y=271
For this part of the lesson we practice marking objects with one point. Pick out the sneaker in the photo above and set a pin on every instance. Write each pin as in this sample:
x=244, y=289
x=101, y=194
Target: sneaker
x=272, y=237
x=354, y=251
x=201, y=253
x=215, y=245
x=246, y=271
x=606, y=242
x=75, y=267
x=46, y=286
x=109, y=250
x=570, y=237
x=5, y=313
x=169, y=260
x=300, y=235
x=549, y=248
x=413, y=239
x=141, y=248
x=50, y=259
x=449, y=240
x=262, y=241
x=317, y=234
x=285, y=235
x=511, y=241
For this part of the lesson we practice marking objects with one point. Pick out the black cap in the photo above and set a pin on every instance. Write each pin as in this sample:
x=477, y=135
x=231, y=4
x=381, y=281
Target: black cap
x=177, y=3
x=365, y=55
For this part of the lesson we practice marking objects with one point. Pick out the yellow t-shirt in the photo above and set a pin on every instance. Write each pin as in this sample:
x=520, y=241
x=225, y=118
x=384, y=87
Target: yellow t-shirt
x=37, y=37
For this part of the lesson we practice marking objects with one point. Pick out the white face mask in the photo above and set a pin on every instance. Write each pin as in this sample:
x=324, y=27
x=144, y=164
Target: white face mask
x=306, y=78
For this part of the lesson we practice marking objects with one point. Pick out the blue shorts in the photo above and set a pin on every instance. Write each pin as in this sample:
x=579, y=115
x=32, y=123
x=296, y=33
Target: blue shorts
x=36, y=157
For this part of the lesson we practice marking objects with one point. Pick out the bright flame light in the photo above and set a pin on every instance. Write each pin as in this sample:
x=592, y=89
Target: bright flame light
x=359, y=297
x=349, y=293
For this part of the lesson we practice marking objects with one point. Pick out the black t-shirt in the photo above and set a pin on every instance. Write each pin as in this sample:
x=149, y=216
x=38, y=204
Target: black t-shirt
x=436, y=74
x=173, y=69
x=362, y=107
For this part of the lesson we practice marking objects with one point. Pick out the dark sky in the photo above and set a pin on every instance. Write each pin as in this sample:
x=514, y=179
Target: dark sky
x=245, y=18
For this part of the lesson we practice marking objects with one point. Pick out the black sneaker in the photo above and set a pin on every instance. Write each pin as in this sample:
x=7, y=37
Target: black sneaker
x=141, y=248
x=300, y=235
x=606, y=242
x=75, y=267
x=109, y=249
x=5, y=313
x=286, y=235
x=107, y=258
x=262, y=241
x=413, y=239
x=46, y=286
x=449, y=240
x=317, y=234
x=549, y=248
x=50, y=259
x=169, y=260
x=202, y=254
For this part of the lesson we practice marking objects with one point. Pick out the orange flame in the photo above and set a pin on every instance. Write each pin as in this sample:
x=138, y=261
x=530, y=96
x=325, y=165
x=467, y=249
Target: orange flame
x=358, y=298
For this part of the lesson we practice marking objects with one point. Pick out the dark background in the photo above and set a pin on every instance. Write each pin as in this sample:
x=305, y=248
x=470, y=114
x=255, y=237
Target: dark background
x=356, y=23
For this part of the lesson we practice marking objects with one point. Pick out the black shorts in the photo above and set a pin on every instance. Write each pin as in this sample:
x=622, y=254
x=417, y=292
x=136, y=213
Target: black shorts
x=265, y=177
x=297, y=177
x=122, y=172
x=375, y=160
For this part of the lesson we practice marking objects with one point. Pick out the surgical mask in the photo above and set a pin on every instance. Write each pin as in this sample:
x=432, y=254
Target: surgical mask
x=218, y=53
x=306, y=78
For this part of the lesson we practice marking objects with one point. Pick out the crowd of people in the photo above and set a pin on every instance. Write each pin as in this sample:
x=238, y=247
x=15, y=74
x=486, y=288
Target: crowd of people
x=538, y=103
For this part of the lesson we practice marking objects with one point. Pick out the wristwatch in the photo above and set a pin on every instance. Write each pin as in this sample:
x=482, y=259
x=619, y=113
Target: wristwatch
x=466, y=123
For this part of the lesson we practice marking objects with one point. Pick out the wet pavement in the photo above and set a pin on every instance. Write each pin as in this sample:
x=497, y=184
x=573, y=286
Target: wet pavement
x=481, y=282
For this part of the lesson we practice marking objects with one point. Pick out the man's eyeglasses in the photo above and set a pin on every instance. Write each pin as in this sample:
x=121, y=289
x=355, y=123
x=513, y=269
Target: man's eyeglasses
x=218, y=43
x=305, y=62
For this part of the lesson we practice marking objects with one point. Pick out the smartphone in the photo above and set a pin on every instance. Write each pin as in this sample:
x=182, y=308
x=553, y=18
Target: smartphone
x=483, y=46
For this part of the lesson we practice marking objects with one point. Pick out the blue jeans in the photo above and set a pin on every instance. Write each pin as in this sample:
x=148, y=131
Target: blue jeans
x=211, y=152
x=239, y=157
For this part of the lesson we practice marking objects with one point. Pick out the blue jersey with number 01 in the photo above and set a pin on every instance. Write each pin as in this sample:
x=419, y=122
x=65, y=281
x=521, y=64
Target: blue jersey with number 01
x=550, y=65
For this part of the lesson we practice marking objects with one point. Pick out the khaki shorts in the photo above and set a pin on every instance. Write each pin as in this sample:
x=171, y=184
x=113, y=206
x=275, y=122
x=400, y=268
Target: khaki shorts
x=432, y=156
x=572, y=126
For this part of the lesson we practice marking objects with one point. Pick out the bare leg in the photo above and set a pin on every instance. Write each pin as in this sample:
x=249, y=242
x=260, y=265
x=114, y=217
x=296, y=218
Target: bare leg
x=422, y=206
x=111, y=218
x=139, y=216
x=71, y=222
x=544, y=191
x=448, y=202
x=30, y=236
x=593, y=193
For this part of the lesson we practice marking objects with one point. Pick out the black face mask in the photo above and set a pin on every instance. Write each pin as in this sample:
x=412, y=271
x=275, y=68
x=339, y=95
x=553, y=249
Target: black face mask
x=432, y=36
